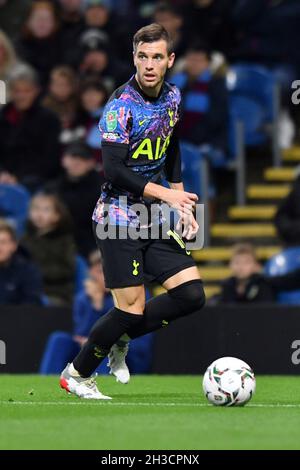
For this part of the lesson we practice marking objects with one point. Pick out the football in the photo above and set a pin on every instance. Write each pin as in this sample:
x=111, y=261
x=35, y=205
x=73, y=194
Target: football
x=229, y=381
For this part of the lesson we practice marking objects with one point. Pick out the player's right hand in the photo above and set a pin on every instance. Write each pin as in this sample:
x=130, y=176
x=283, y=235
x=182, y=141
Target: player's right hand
x=183, y=201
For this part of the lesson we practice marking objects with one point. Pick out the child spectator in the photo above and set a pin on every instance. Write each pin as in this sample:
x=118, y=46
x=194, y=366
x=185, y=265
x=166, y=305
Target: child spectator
x=20, y=280
x=93, y=302
x=247, y=284
x=62, y=95
x=93, y=97
x=49, y=241
x=79, y=188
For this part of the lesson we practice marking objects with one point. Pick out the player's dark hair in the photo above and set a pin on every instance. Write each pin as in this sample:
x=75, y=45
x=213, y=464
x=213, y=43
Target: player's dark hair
x=151, y=33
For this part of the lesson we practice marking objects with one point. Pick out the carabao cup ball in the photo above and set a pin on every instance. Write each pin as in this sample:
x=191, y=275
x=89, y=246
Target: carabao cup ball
x=229, y=381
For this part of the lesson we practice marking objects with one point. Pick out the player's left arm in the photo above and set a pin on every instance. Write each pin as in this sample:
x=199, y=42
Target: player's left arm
x=174, y=177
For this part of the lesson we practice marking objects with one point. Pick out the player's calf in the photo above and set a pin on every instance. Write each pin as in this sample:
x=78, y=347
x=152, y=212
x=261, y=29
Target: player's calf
x=185, y=299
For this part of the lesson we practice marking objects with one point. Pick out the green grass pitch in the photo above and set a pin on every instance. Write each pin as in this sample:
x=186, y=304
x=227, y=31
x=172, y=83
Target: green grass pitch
x=150, y=413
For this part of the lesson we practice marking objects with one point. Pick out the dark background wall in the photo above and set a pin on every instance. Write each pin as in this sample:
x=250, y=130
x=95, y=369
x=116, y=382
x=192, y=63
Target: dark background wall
x=25, y=331
x=260, y=335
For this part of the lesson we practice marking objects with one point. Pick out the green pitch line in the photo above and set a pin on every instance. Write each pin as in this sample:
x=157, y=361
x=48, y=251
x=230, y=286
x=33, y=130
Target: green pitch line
x=150, y=412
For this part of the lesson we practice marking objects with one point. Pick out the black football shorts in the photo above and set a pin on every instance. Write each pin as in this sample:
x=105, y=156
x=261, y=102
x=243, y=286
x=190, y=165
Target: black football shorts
x=128, y=262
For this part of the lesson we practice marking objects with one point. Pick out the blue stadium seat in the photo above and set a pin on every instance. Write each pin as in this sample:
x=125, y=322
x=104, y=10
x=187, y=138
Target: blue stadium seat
x=14, y=204
x=256, y=84
x=252, y=115
x=283, y=263
x=191, y=169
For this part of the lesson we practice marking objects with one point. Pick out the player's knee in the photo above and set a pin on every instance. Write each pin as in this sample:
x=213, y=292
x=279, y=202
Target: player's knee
x=131, y=300
x=134, y=303
x=190, y=296
x=196, y=296
x=134, y=306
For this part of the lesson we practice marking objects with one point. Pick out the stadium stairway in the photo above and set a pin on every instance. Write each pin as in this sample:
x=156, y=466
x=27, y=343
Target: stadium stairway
x=252, y=222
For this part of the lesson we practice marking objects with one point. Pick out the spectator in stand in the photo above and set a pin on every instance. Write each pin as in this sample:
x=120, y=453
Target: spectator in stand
x=20, y=280
x=97, y=60
x=62, y=100
x=204, y=104
x=72, y=26
x=12, y=16
x=49, y=241
x=29, y=134
x=287, y=218
x=40, y=43
x=79, y=188
x=89, y=305
x=210, y=20
x=8, y=58
x=266, y=32
x=171, y=18
x=99, y=15
x=93, y=97
x=204, y=110
x=247, y=284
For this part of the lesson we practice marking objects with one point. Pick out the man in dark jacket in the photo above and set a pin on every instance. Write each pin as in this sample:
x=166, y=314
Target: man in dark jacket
x=204, y=101
x=72, y=25
x=79, y=188
x=29, y=134
x=12, y=16
x=20, y=280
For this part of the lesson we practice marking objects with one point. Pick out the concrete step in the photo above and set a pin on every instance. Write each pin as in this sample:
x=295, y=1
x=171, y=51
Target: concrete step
x=256, y=212
x=291, y=155
x=280, y=174
x=223, y=253
x=268, y=191
x=243, y=230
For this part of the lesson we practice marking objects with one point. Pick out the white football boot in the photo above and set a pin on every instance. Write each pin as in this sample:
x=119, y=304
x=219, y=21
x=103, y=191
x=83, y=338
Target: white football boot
x=117, y=364
x=83, y=388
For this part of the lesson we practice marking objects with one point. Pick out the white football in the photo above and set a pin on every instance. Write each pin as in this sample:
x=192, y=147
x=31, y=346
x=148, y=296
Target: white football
x=228, y=381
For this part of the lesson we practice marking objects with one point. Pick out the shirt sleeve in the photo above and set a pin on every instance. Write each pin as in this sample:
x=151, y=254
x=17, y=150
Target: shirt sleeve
x=115, y=127
x=116, y=122
x=173, y=160
x=116, y=171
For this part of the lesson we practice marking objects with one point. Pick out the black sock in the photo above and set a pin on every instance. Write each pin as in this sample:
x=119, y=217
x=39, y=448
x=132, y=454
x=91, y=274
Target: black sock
x=183, y=300
x=106, y=331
